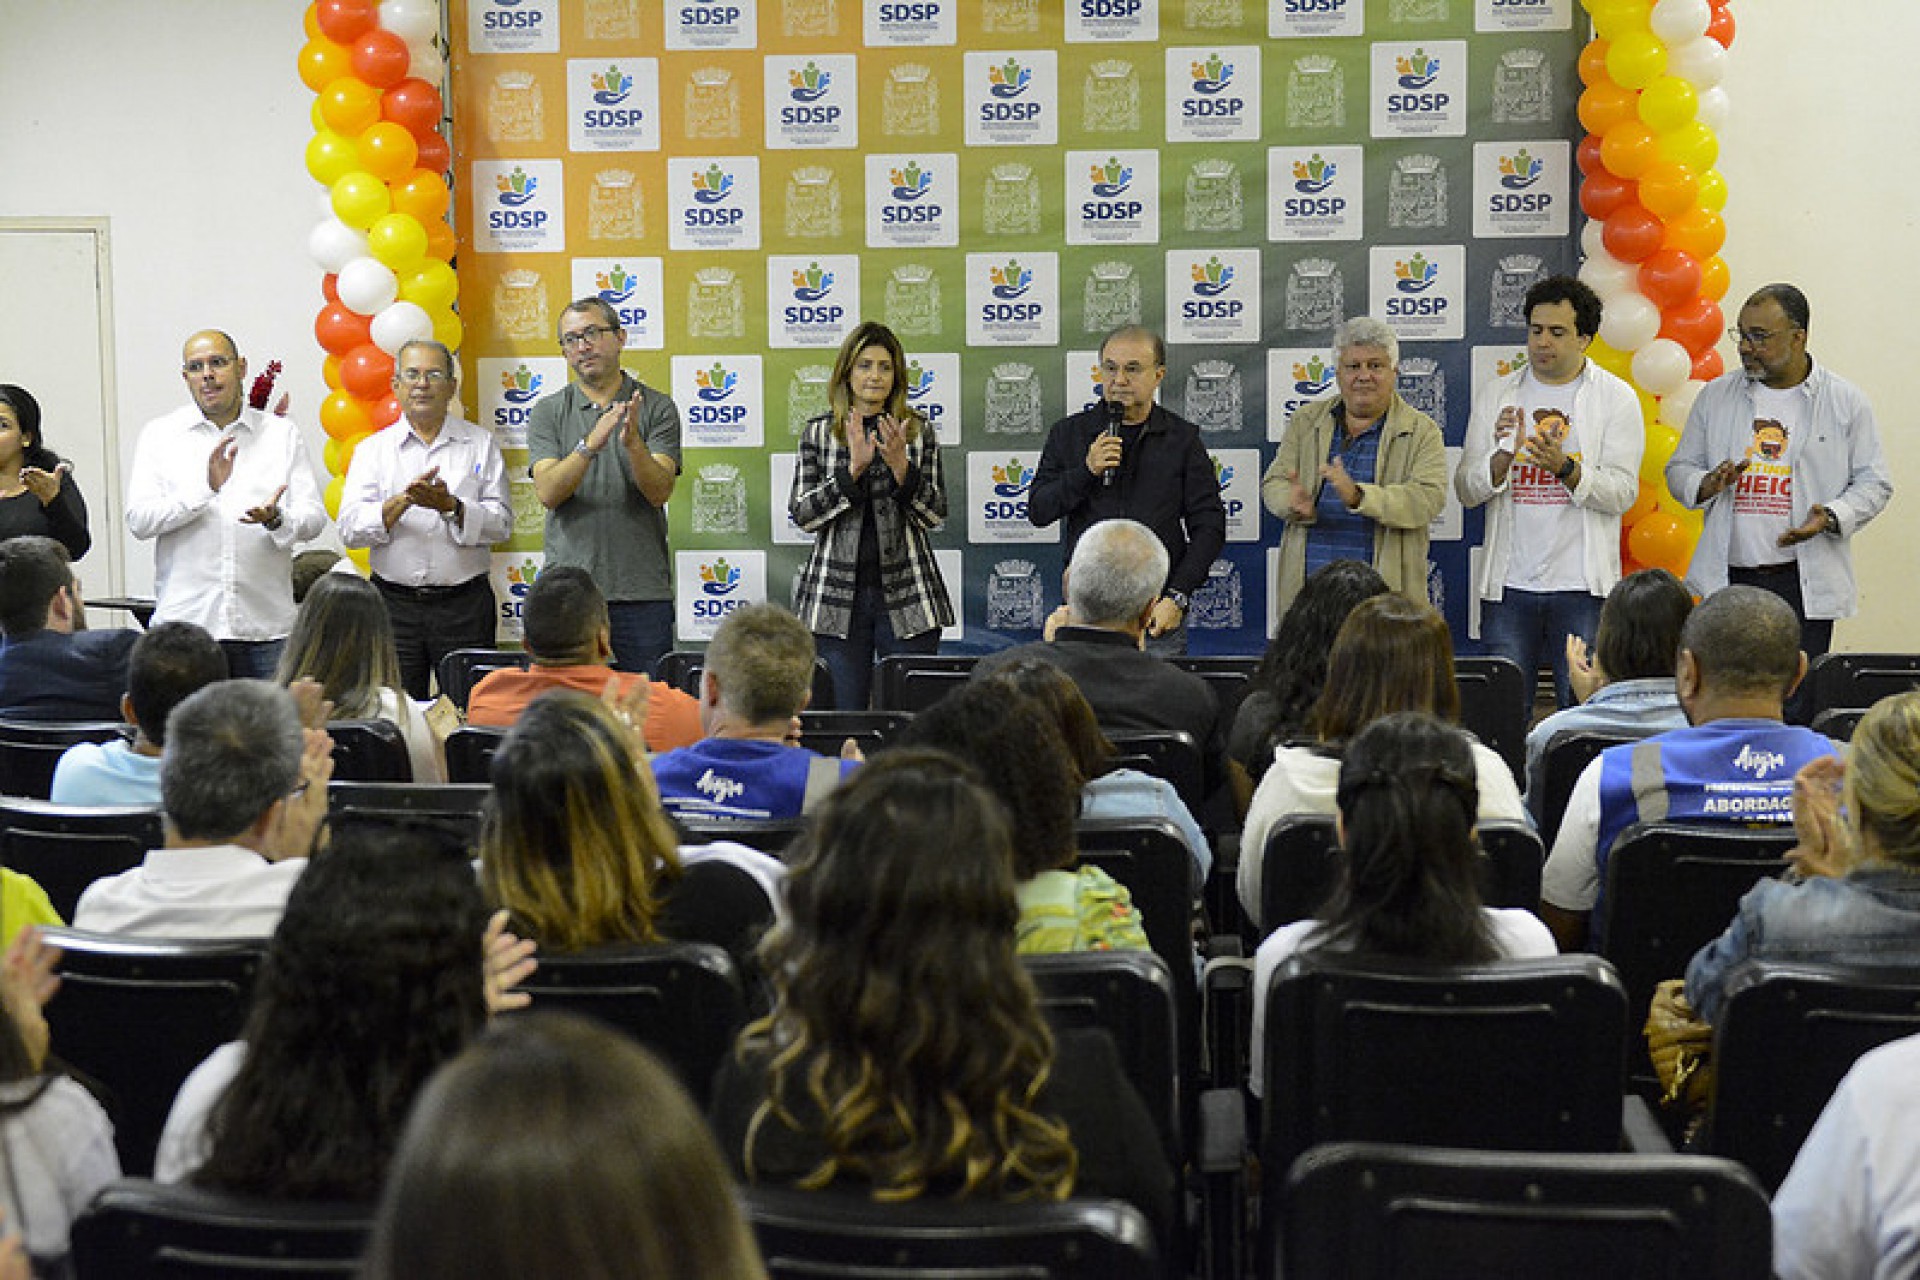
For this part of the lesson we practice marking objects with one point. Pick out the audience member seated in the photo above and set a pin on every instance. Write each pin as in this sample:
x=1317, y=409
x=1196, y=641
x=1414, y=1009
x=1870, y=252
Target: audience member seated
x=51, y=666
x=1855, y=896
x=1010, y=741
x=758, y=678
x=1118, y=571
x=1408, y=799
x=56, y=1143
x=567, y=634
x=906, y=1054
x=343, y=640
x=244, y=791
x=1626, y=690
x=1851, y=1204
x=1734, y=764
x=1109, y=791
x=309, y=567
x=382, y=969
x=1390, y=655
x=1280, y=696
x=170, y=662
x=553, y=1146
x=575, y=846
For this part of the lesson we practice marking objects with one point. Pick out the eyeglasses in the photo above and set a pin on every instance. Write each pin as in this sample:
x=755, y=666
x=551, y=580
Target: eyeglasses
x=1755, y=337
x=585, y=337
x=1132, y=369
x=432, y=377
x=219, y=364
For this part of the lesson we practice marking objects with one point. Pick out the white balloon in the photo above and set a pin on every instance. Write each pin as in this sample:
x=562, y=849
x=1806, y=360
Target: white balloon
x=427, y=64
x=334, y=244
x=367, y=285
x=1677, y=404
x=1702, y=63
x=1661, y=366
x=1630, y=322
x=1716, y=104
x=417, y=20
x=405, y=322
x=1674, y=21
x=1609, y=277
x=1591, y=238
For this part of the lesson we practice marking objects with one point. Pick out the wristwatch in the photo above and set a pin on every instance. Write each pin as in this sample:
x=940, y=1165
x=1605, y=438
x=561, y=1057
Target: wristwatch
x=1180, y=599
x=1566, y=469
x=1833, y=522
x=584, y=451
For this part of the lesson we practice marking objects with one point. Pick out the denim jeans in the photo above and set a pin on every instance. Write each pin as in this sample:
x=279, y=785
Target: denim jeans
x=1531, y=627
x=869, y=638
x=252, y=659
x=642, y=631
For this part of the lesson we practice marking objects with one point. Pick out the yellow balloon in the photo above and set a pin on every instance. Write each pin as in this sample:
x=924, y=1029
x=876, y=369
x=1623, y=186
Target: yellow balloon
x=1613, y=361
x=433, y=286
x=448, y=330
x=361, y=558
x=1615, y=18
x=1668, y=103
x=310, y=21
x=360, y=199
x=397, y=240
x=335, y=487
x=1635, y=59
x=330, y=157
x=318, y=118
x=1653, y=463
x=1649, y=405
x=1712, y=191
x=1692, y=145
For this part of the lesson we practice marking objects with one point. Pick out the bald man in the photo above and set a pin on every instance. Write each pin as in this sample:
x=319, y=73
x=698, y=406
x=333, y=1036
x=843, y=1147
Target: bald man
x=225, y=492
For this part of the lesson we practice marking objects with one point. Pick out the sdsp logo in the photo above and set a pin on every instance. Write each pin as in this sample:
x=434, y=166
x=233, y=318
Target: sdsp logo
x=519, y=388
x=514, y=190
x=1311, y=179
x=1417, y=73
x=712, y=192
x=1011, y=482
x=716, y=405
x=1222, y=477
x=1413, y=279
x=1210, y=82
x=1007, y=87
x=719, y=587
x=616, y=288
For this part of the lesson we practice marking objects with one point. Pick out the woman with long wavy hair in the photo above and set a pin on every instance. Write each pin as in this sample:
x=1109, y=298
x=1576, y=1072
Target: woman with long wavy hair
x=905, y=1055
x=867, y=485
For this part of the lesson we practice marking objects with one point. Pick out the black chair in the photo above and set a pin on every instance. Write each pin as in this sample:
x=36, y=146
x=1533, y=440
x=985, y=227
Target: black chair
x=683, y=668
x=1567, y=756
x=1129, y=996
x=807, y=1235
x=137, y=1015
x=915, y=681
x=1150, y=858
x=1375, y=1211
x=65, y=848
x=1228, y=675
x=1671, y=889
x=1787, y=1034
x=1169, y=754
x=1496, y=704
x=29, y=749
x=369, y=751
x=140, y=1230
x=1857, y=679
x=768, y=835
x=683, y=1000
x=825, y=731
x=462, y=669
x=454, y=806
x=470, y=751
x=1838, y=723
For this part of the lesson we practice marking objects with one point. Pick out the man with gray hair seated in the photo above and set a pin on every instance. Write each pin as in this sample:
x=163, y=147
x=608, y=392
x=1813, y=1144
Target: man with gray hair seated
x=1359, y=475
x=244, y=788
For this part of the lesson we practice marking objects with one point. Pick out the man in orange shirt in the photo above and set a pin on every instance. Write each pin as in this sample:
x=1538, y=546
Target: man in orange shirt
x=570, y=640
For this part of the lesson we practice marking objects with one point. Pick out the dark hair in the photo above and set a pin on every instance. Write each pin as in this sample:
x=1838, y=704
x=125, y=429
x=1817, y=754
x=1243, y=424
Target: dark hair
x=1571, y=290
x=1791, y=301
x=1013, y=744
x=1391, y=654
x=1408, y=799
x=373, y=979
x=169, y=664
x=1744, y=640
x=33, y=570
x=1087, y=747
x=309, y=567
x=1294, y=668
x=34, y=451
x=1640, y=626
x=905, y=1032
x=556, y=1146
x=343, y=637
x=562, y=614
x=599, y=306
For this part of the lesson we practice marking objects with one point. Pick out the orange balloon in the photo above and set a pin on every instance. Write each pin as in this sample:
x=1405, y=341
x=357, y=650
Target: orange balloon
x=387, y=150
x=322, y=62
x=1698, y=232
x=1660, y=542
x=441, y=242
x=422, y=194
x=386, y=412
x=1668, y=188
x=349, y=105
x=1629, y=149
x=342, y=416
x=1715, y=278
x=1642, y=504
x=330, y=372
x=1593, y=63
x=1607, y=104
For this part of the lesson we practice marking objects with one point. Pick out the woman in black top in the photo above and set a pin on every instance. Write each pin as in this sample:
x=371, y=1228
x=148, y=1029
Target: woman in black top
x=37, y=493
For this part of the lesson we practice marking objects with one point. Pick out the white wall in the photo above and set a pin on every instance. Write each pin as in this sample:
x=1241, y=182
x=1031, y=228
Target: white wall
x=184, y=123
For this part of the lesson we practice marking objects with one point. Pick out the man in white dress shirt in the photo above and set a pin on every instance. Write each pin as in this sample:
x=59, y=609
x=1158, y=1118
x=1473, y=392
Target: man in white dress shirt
x=428, y=497
x=225, y=492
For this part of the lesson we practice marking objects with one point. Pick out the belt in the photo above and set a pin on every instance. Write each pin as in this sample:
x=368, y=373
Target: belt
x=427, y=592
x=1767, y=570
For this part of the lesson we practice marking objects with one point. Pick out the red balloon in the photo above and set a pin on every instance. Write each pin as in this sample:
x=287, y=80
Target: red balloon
x=1669, y=277
x=1587, y=155
x=340, y=329
x=1603, y=192
x=381, y=58
x=1720, y=26
x=435, y=155
x=345, y=21
x=1631, y=234
x=1708, y=367
x=367, y=372
x=330, y=286
x=414, y=105
x=385, y=413
x=1695, y=324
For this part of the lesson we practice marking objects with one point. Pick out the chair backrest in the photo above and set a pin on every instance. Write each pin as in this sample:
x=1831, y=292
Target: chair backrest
x=807, y=1235
x=461, y=669
x=915, y=681
x=1671, y=889
x=1130, y=997
x=470, y=751
x=1228, y=675
x=1787, y=1034
x=1496, y=703
x=136, y=1015
x=29, y=749
x=1858, y=679
x=1838, y=723
x=683, y=1000
x=824, y=731
x=1512, y=858
x=455, y=806
x=768, y=835
x=1567, y=756
x=683, y=668
x=65, y=848
x=1375, y=1211
x=1517, y=1055
x=141, y=1230
x=369, y=751
x=1169, y=754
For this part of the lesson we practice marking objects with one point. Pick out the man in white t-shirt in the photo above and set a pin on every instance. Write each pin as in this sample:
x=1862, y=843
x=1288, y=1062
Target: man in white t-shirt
x=1785, y=459
x=1553, y=450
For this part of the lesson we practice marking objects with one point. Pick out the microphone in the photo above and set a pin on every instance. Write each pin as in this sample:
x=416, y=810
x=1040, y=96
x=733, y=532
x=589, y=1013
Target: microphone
x=1114, y=411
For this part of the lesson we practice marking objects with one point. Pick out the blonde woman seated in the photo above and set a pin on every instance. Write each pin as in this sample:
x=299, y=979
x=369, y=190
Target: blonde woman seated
x=906, y=1055
x=343, y=639
x=1390, y=655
